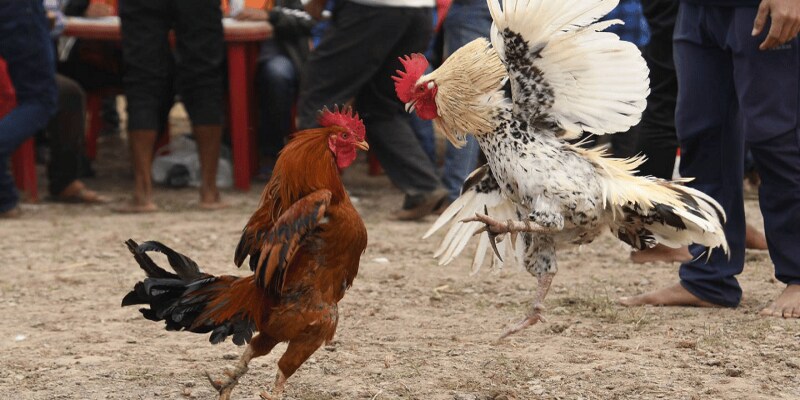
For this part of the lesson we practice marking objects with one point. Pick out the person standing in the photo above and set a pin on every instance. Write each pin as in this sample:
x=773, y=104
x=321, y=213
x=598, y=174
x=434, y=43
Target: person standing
x=738, y=69
x=355, y=60
x=148, y=65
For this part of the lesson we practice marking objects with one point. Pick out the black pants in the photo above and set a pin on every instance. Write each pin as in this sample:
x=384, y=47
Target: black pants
x=356, y=60
x=656, y=132
x=149, y=62
x=65, y=134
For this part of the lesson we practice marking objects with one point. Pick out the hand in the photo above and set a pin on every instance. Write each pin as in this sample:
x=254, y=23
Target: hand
x=314, y=8
x=99, y=10
x=785, y=25
x=252, y=14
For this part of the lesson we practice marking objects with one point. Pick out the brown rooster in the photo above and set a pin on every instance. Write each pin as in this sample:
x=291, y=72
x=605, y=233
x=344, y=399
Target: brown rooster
x=304, y=243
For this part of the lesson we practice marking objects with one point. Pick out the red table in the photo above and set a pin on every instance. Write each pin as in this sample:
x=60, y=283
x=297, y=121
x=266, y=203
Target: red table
x=242, y=39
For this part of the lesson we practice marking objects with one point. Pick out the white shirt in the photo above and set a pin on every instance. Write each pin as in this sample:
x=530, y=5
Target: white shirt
x=396, y=3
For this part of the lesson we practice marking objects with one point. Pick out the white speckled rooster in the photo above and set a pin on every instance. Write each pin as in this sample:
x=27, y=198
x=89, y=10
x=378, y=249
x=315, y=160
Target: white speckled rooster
x=566, y=76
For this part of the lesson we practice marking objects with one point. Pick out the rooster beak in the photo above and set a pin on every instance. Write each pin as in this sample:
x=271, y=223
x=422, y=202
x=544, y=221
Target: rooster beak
x=410, y=106
x=363, y=145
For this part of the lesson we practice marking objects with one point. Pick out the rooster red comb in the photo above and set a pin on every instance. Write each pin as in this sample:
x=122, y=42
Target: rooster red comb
x=414, y=65
x=344, y=118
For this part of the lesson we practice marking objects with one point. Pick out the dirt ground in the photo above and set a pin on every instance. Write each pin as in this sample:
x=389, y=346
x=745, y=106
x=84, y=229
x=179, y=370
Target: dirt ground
x=408, y=329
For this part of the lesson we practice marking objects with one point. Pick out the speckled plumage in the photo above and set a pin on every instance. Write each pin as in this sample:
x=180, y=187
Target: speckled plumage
x=566, y=77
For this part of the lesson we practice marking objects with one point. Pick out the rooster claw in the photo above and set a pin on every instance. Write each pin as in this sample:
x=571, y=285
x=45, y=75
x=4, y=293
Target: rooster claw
x=489, y=223
x=224, y=388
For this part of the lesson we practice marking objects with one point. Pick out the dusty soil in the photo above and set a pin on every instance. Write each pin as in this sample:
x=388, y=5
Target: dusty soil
x=409, y=329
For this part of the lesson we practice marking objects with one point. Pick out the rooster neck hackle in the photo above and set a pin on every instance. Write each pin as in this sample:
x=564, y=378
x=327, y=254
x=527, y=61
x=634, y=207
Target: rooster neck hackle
x=469, y=84
x=305, y=165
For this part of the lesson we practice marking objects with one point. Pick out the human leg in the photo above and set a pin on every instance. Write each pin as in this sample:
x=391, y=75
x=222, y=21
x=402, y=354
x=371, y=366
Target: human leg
x=712, y=151
x=656, y=136
x=779, y=194
x=350, y=53
x=201, y=49
x=466, y=21
x=768, y=89
x=388, y=127
x=357, y=58
x=65, y=133
x=278, y=82
x=148, y=68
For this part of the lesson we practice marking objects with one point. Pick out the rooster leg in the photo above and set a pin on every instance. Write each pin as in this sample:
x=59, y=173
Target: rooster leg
x=277, y=391
x=540, y=261
x=226, y=384
x=296, y=354
x=536, y=310
x=260, y=345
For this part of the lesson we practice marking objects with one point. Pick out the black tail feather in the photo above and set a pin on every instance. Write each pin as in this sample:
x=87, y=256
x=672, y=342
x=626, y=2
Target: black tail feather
x=146, y=263
x=179, y=300
x=184, y=266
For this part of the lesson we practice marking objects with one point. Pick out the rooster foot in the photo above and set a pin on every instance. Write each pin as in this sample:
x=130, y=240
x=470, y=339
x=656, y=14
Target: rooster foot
x=277, y=392
x=496, y=230
x=224, y=385
x=534, y=316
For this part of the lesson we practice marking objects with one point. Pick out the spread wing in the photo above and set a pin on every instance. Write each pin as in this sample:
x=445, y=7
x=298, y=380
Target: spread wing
x=480, y=192
x=564, y=70
x=272, y=246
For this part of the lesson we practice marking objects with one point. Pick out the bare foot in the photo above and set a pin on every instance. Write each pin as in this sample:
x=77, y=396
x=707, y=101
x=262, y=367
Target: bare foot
x=77, y=192
x=673, y=295
x=787, y=305
x=134, y=207
x=661, y=253
x=210, y=200
x=754, y=239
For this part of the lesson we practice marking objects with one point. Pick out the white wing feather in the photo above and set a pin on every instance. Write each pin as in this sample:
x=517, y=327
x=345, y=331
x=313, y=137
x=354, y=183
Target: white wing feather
x=594, y=81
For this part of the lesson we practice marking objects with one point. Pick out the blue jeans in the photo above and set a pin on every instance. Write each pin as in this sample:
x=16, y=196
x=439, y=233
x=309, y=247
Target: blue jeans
x=25, y=45
x=466, y=21
x=278, y=88
x=736, y=95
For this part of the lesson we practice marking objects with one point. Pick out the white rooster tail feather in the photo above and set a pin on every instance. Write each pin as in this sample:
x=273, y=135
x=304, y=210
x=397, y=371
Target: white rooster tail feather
x=648, y=210
x=480, y=190
x=584, y=79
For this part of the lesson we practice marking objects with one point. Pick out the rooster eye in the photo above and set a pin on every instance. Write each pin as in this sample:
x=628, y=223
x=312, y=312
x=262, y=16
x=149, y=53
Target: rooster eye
x=344, y=136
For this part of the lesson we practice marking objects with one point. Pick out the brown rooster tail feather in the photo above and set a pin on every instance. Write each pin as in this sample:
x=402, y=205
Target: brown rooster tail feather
x=192, y=300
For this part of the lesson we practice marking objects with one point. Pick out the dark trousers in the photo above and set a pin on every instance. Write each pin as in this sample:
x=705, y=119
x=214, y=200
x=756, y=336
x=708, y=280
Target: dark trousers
x=732, y=94
x=149, y=62
x=25, y=45
x=65, y=134
x=655, y=134
x=277, y=77
x=356, y=60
